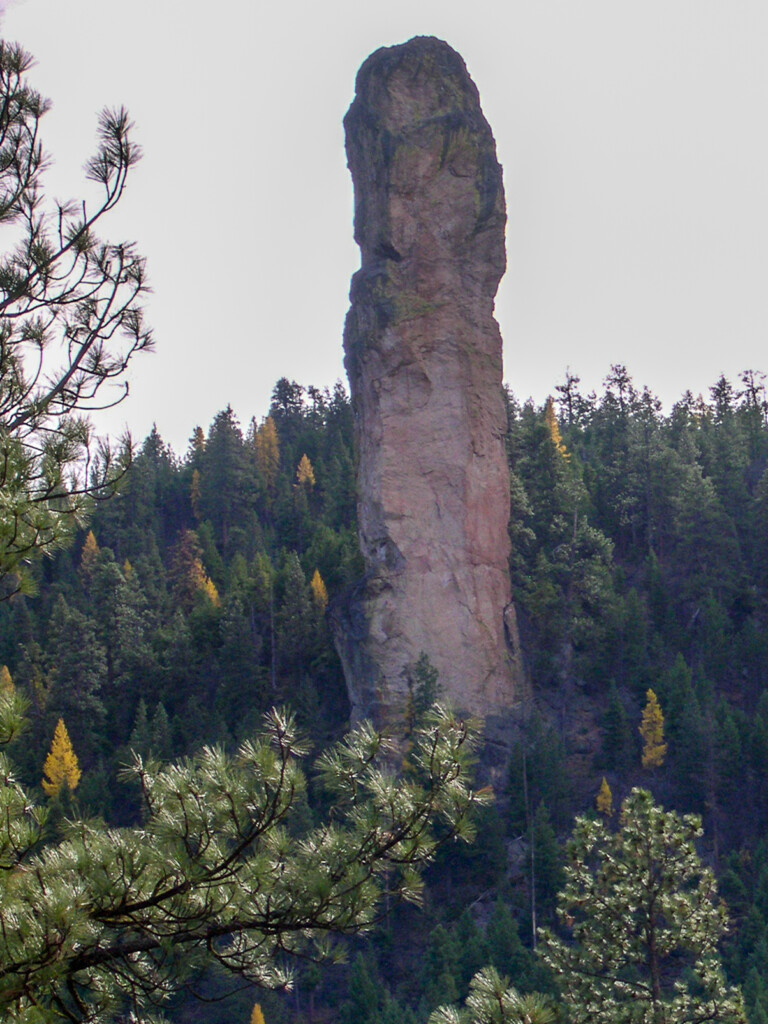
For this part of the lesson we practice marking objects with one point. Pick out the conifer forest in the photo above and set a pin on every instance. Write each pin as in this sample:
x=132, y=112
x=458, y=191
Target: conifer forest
x=194, y=600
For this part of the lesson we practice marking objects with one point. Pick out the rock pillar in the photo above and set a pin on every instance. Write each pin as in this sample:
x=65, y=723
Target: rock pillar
x=423, y=355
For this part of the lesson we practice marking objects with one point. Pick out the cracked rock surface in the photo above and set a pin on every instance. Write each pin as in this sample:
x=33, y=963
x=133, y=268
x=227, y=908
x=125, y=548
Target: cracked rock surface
x=423, y=355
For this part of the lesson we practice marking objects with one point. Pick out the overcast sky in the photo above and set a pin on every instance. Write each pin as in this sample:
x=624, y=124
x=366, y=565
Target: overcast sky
x=633, y=140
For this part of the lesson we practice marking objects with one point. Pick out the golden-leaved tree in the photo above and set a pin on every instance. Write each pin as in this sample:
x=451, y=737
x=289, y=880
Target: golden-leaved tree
x=305, y=473
x=188, y=574
x=554, y=429
x=604, y=799
x=319, y=591
x=6, y=681
x=652, y=731
x=89, y=556
x=61, y=767
x=267, y=447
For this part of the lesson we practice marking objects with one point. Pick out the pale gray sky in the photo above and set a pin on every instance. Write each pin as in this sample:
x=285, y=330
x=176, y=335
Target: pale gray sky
x=633, y=139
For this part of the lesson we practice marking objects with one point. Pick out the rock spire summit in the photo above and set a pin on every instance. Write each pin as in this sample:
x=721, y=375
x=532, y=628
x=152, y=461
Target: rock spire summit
x=423, y=355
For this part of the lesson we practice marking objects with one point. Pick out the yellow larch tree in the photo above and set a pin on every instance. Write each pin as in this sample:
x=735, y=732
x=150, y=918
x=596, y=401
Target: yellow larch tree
x=266, y=444
x=210, y=591
x=305, y=474
x=604, y=799
x=6, y=682
x=61, y=767
x=319, y=592
x=257, y=1017
x=188, y=574
x=554, y=428
x=89, y=556
x=652, y=731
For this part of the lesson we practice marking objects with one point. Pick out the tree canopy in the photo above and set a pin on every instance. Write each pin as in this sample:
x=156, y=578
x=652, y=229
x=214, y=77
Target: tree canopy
x=70, y=321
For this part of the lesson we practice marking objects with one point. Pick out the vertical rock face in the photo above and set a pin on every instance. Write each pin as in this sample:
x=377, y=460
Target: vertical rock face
x=423, y=355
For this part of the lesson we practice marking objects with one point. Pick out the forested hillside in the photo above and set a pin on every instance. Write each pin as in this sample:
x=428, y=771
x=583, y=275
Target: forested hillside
x=639, y=563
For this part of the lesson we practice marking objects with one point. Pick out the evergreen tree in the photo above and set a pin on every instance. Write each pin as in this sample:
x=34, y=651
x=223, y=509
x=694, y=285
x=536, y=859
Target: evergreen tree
x=537, y=774
x=644, y=921
x=76, y=677
x=617, y=749
x=365, y=994
x=140, y=741
x=226, y=481
x=293, y=623
x=70, y=321
x=109, y=920
x=441, y=967
x=492, y=1001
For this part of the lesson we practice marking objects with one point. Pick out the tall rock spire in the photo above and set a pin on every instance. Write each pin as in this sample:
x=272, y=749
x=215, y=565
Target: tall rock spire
x=423, y=355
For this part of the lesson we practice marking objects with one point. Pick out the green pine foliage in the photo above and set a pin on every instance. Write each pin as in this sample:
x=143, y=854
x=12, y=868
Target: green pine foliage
x=104, y=923
x=643, y=923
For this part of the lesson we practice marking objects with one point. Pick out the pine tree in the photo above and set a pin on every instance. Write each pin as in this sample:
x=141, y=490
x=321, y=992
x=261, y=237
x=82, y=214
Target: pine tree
x=87, y=921
x=508, y=954
x=604, y=799
x=441, y=967
x=294, y=621
x=491, y=1000
x=644, y=922
x=77, y=675
x=365, y=993
x=423, y=691
x=617, y=737
x=196, y=444
x=160, y=738
x=71, y=322
x=61, y=767
x=139, y=741
x=652, y=731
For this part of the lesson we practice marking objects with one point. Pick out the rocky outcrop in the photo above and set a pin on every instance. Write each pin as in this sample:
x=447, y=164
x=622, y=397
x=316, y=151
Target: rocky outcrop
x=423, y=355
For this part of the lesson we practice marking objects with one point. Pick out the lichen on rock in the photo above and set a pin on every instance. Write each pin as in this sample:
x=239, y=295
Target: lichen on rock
x=423, y=355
